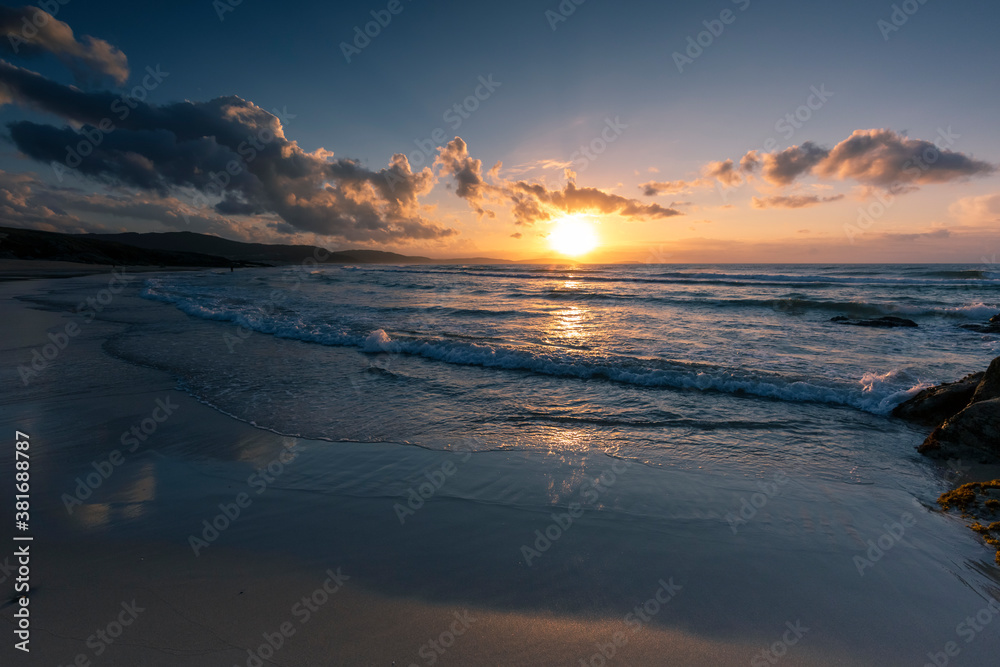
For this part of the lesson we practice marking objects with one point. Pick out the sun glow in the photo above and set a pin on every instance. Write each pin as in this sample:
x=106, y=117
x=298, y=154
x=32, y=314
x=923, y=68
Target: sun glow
x=573, y=236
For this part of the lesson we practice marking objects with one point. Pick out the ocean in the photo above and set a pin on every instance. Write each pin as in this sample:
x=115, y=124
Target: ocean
x=658, y=363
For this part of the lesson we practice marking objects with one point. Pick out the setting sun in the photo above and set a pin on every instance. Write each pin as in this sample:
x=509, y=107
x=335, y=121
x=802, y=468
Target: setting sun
x=573, y=236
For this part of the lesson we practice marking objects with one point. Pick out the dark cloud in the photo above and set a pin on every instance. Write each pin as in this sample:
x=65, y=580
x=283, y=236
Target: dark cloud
x=783, y=167
x=794, y=201
x=27, y=201
x=879, y=158
x=29, y=31
x=229, y=152
x=454, y=160
x=883, y=157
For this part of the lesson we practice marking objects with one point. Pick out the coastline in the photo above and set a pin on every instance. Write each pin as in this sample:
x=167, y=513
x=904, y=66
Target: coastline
x=33, y=269
x=408, y=580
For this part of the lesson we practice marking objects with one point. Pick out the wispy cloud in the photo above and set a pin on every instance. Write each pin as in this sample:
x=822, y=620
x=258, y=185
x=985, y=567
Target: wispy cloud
x=793, y=201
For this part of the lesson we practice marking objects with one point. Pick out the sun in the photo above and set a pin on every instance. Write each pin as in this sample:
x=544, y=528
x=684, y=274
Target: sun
x=573, y=236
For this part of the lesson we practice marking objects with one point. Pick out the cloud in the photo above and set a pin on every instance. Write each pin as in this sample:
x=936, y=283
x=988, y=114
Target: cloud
x=880, y=158
x=725, y=172
x=917, y=236
x=534, y=202
x=29, y=31
x=454, y=160
x=977, y=210
x=794, y=201
x=654, y=188
x=27, y=201
x=232, y=154
x=784, y=167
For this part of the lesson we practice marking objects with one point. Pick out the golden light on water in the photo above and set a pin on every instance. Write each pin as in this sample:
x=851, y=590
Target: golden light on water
x=573, y=236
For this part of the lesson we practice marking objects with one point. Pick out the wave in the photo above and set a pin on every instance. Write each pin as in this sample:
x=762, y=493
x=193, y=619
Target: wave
x=976, y=311
x=873, y=394
x=653, y=274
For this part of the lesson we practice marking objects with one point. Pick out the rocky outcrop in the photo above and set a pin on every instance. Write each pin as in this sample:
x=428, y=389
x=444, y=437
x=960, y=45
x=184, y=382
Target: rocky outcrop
x=973, y=431
x=989, y=387
x=936, y=404
x=880, y=323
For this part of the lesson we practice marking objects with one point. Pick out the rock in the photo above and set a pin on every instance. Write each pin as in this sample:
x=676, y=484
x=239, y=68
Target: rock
x=989, y=387
x=973, y=432
x=982, y=328
x=937, y=404
x=995, y=319
x=881, y=323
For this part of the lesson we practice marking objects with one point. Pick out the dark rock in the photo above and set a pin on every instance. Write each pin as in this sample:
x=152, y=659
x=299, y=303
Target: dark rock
x=982, y=328
x=995, y=319
x=937, y=404
x=881, y=323
x=989, y=386
x=973, y=432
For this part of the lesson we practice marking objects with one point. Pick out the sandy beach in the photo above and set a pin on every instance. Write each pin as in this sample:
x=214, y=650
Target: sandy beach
x=217, y=530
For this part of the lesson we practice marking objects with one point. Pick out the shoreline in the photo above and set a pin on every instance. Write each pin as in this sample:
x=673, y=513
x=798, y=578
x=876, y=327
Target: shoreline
x=33, y=269
x=408, y=581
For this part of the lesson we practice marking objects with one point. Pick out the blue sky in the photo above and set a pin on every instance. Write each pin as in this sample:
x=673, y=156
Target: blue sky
x=558, y=87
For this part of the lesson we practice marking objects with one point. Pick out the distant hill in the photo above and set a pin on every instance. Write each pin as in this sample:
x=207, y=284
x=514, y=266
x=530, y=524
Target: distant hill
x=269, y=253
x=32, y=244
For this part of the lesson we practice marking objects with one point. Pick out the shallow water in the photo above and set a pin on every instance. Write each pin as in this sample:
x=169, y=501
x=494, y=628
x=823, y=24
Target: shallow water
x=653, y=362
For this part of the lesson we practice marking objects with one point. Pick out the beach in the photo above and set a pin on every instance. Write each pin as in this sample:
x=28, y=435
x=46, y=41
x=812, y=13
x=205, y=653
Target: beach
x=311, y=508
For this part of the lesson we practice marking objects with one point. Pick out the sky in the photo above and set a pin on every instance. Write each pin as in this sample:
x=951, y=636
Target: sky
x=724, y=132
